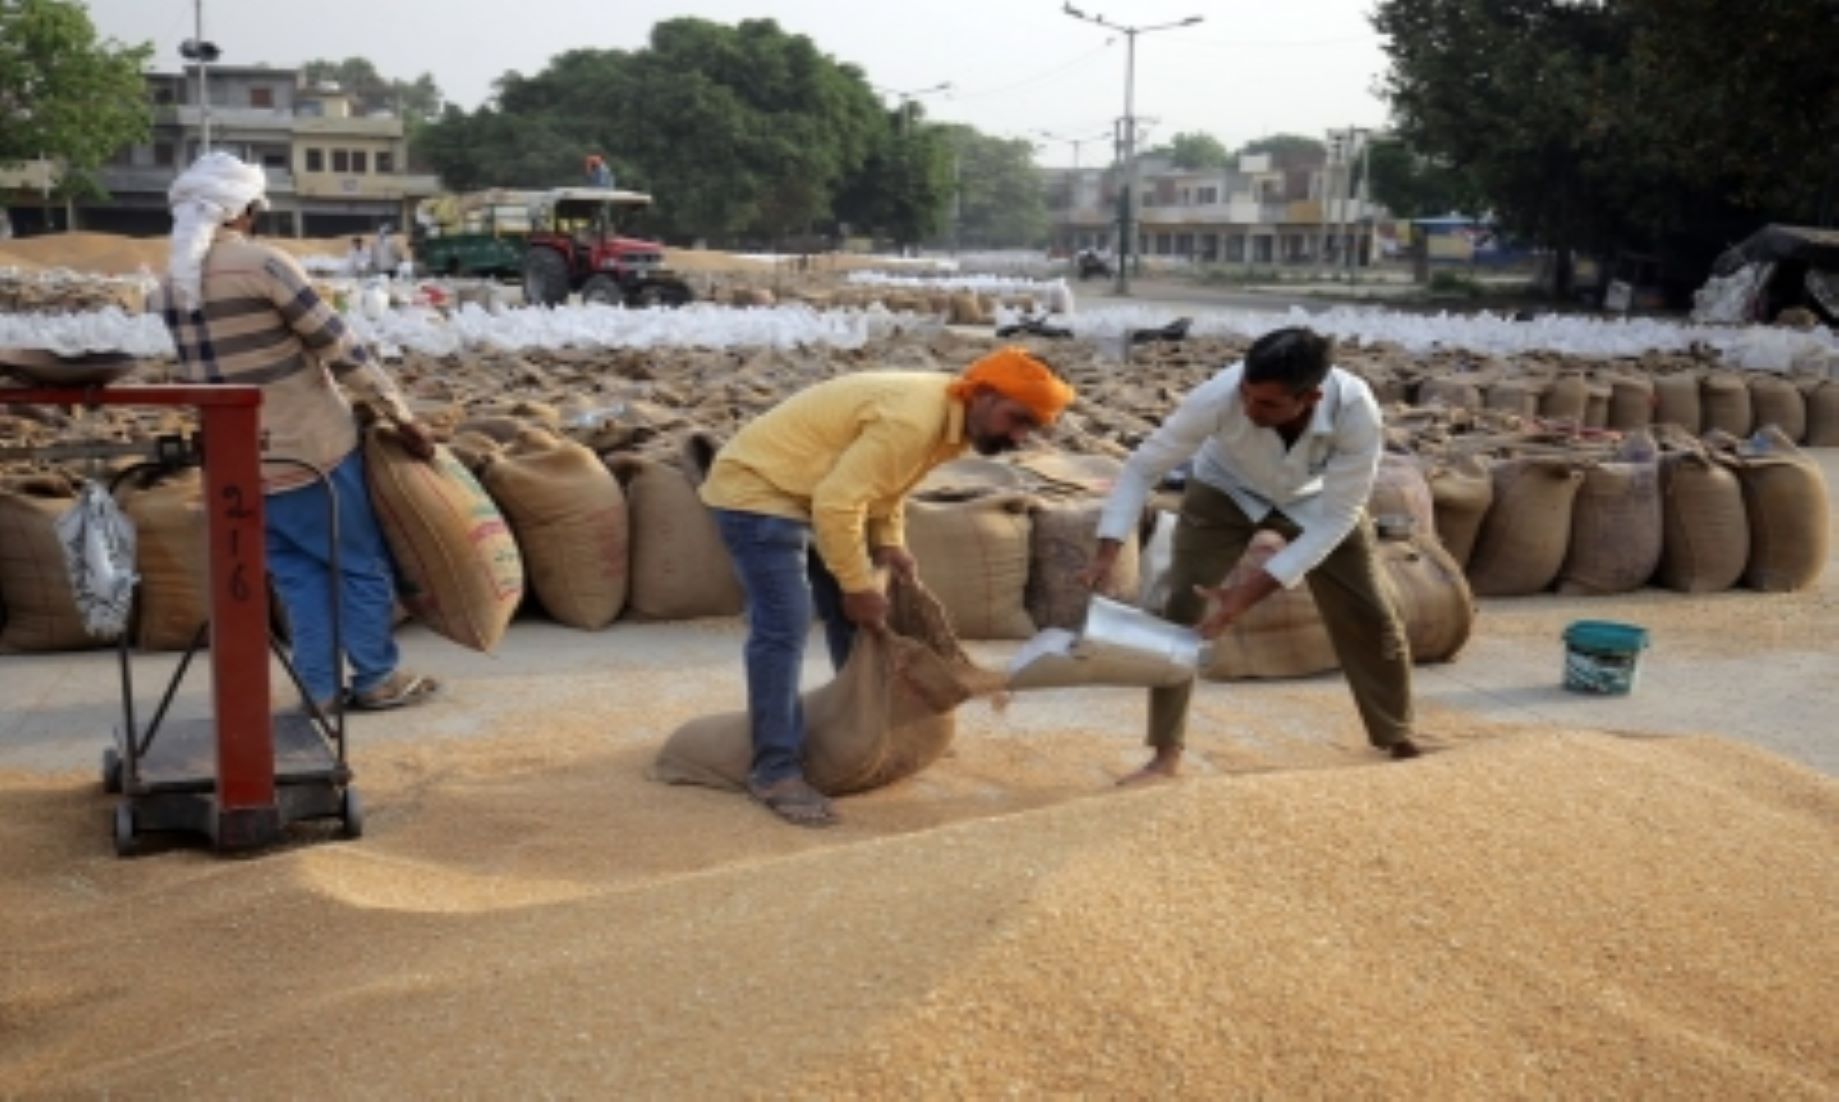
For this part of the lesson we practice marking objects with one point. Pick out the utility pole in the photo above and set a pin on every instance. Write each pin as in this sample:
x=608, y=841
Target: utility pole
x=907, y=100
x=1366, y=209
x=1127, y=242
x=201, y=53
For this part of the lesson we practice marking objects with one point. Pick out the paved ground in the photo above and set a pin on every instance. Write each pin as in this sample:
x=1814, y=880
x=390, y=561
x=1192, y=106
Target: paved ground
x=1760, y=668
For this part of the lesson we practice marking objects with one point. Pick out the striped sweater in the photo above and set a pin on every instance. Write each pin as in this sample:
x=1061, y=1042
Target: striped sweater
x=262, y=324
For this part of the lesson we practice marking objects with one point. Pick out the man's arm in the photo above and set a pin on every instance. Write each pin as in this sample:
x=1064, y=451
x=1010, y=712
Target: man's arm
x=1179, y=437
x=326, y=335
x=871, y=469
x=1347, y=482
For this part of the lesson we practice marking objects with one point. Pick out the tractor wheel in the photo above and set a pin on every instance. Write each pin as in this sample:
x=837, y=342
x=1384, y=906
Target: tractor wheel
x=545, y=278
x=602, y=290
x=661, y=292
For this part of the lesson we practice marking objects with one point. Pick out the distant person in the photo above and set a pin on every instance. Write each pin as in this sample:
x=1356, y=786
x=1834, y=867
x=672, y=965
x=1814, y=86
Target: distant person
x=357, y=259
x=1282, y=441
x=809, y=498
x=243, y=313
x=598, y=173
x=383, y=253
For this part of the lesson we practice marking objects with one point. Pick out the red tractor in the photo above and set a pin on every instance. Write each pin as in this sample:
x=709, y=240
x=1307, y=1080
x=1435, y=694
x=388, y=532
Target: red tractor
x=574, y=245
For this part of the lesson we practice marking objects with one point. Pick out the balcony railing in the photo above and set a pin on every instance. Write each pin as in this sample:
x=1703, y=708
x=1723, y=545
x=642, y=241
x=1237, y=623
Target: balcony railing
x=139, y=178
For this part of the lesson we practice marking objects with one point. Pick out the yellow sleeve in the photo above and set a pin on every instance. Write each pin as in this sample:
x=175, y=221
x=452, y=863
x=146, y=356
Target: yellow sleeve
x=874, y=468
x=890, y=528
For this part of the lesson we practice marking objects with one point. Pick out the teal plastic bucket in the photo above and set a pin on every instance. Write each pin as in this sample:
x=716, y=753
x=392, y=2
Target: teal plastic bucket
x=1602, y=656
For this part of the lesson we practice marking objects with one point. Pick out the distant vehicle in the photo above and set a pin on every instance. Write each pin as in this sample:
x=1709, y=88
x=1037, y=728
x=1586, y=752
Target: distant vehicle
x=1091, y=263
x=557, y=242
x=575, y=245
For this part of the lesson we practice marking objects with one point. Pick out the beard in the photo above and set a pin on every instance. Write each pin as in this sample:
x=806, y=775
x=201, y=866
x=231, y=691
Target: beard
x=992, y=445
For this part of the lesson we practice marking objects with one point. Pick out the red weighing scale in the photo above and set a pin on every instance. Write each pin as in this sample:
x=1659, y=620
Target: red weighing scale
x=241, y=774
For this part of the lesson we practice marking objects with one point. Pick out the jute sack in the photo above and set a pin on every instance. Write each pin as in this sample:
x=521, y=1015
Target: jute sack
x=1705, y=527
x=886, y=716
x=1528, y=529
x=1726, y=400
x=1431, y=594
x=1777, y=401
x=973, y=556
x=966, y=310
x=1062, y=538
x=1631, y=402
x=1784, y=493
x=171, y=555
x=1456, y=393
x=569, y=516
x=1616, y=530
x=1597, y=396
x=1677, y=402
x=1461, y=494
x=1399, y=489
x=681, y=569
x=1281, y=636
x=1516, y=396
x=1568, y=399
x=458, y=567
x=1823, y=414
x=39, y=606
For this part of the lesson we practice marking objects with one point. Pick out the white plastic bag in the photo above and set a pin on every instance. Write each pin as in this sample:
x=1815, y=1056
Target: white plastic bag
x=98, y=542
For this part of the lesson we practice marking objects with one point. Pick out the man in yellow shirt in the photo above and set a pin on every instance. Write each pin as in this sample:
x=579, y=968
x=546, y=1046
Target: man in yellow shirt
x=828, y=470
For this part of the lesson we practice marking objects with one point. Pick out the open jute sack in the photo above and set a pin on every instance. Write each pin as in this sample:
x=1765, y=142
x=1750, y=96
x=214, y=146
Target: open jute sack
x=973, y=555
x=569, y=515
x=1784, y=493
x=171, y=555
x=36, y=599
x=1461, y=493
x=1281, y=636
x=681, y=569
x=1064, y=535
x=1400, y=489
x=1431, y=594
x=887, y=715
x=1528, y=529
x=1705, y=541
x=458, y=567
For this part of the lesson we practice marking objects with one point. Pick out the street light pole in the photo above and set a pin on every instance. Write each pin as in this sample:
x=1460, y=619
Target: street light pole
x=908, y=98
x=204, y=97
x=1127, y=242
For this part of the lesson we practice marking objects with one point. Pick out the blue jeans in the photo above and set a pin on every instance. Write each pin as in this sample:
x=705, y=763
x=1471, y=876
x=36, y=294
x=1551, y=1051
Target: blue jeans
x=783, y=578
x=298, y=558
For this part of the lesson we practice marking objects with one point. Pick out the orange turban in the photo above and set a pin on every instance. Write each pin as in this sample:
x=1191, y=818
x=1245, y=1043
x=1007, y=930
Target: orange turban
x=1014, y=374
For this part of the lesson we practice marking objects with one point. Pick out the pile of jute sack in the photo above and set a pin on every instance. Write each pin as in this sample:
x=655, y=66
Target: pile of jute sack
x=569, y=488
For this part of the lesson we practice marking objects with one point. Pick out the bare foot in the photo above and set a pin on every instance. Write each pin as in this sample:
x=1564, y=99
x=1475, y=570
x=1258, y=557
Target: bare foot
x=1404, y=750
x=1162, y=767
x=794, y=800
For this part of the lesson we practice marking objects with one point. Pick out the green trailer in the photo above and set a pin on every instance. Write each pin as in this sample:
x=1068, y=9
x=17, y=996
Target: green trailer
x=481, y=234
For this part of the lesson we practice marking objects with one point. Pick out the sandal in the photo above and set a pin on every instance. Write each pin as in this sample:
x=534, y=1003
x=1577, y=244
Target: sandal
x=794, y=800
x=398, y=690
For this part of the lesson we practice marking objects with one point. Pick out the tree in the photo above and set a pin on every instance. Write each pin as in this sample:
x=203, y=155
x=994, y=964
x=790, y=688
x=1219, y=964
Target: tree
x=903, y=189
x=1667, y=126
x=740, y=131
x=1197, y=150
x=416, y=100
x=1413, y=186
x=1287, y=147
x=64, y=94
x=1004, y=204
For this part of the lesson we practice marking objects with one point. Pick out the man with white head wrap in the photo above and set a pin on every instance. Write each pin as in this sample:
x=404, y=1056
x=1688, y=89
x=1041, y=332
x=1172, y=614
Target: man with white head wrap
x=244, y=313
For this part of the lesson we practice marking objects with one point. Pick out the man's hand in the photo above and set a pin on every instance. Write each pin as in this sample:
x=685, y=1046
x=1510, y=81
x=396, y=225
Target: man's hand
x=899, y=560
x=1098, y=571
x=867, y=609
x=1233, y=601
x=416, y=438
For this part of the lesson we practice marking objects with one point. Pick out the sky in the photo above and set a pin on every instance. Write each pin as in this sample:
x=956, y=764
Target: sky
x=1018, y=68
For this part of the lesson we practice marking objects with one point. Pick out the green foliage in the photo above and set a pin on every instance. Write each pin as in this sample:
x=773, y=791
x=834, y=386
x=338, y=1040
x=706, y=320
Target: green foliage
x=1282, y=146
x=1196, y=150
x=1004, y=202
x=1417, y=187
x=1673, y=125
x=1446, y=282
x=64, y=94
x=416, y=100
x=903, y=190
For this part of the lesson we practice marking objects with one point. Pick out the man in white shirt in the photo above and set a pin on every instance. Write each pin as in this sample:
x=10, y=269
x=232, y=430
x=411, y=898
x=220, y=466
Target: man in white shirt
x=1286, y=442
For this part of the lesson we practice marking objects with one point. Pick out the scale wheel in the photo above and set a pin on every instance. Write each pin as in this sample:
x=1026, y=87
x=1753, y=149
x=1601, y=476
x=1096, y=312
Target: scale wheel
x=125, y=842
x=111, y=771
x=351, y=810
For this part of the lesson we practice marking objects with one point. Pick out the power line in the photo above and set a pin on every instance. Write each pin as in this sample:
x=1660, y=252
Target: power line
x=1054, y=72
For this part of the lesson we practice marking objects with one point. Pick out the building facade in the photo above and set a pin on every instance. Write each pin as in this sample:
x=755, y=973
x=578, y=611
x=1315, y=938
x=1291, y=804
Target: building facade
x=1264, y=210
x=331, y=169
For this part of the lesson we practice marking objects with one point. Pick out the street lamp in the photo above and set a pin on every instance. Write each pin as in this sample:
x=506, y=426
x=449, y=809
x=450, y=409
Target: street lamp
x=203, y=52
x=907, y=98
x=1127, y=218
x=1074, y=142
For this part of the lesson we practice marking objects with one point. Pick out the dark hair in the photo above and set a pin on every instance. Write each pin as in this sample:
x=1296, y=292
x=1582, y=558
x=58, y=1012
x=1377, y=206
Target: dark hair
x=1297, y=356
